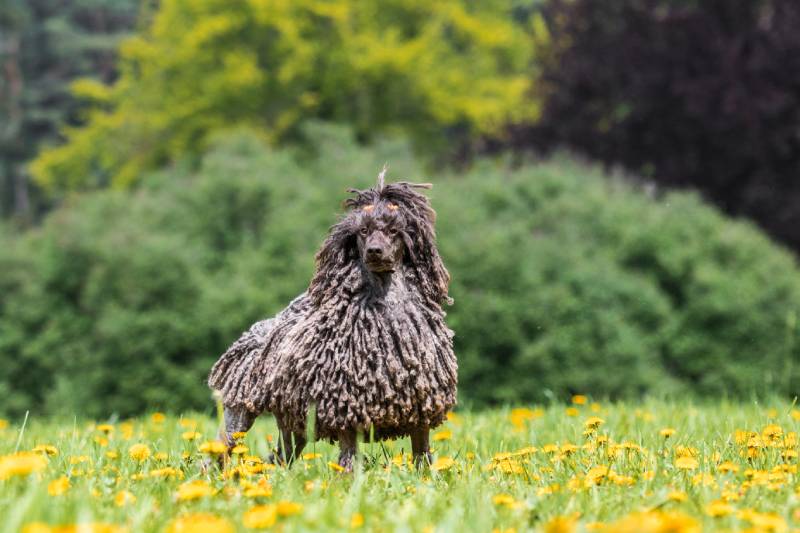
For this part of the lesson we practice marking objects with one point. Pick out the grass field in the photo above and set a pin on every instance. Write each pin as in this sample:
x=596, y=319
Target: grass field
x=653, y=466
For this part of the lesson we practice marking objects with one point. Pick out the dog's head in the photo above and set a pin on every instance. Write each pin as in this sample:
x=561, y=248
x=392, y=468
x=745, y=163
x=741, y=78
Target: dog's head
x=385, y=227
x=382, y=238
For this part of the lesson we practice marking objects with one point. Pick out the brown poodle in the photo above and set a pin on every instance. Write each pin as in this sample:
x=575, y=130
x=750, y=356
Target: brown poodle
x=365, y=348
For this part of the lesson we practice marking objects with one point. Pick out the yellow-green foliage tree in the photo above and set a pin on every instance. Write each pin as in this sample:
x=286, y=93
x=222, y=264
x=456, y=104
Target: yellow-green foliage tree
x=433, y=70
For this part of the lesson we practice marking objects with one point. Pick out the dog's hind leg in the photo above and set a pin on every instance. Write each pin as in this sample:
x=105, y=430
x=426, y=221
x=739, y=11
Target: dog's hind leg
x=299, y=443
x=420, y=447
x=347, y=449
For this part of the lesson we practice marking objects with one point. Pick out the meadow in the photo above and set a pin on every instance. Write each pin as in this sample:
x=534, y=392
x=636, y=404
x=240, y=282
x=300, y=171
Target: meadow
x=585, y=466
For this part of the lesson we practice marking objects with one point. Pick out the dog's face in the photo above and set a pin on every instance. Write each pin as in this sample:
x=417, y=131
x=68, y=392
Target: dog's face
x=381, y=237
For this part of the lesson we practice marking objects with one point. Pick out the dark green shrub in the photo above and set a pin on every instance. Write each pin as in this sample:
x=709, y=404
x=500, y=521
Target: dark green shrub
x=564, y=281
x=574, y=282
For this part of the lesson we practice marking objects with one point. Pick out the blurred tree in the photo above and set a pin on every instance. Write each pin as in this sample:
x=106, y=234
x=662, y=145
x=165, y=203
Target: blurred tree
x=44, y=46
x=702, y=94
x=436, y=70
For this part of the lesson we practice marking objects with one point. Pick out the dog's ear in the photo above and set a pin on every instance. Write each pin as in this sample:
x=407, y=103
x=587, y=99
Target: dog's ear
x=432, y=276
x=409, y=243
x=334, y=260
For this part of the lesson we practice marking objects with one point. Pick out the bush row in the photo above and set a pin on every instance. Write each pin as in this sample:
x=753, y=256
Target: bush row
x=564, y=281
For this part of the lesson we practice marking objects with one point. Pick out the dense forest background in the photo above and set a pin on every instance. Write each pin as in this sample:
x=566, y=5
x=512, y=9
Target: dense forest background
x=167, y=170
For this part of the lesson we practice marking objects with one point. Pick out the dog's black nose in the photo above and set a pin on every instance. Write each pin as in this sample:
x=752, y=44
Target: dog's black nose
x=374, y=251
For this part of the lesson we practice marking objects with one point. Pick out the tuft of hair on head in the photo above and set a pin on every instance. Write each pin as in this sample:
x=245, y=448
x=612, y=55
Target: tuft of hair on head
x=428, y=267
x=382, y=176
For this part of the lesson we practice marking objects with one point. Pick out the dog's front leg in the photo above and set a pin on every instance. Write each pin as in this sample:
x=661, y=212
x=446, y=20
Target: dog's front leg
x=347, y=449
x=420, y=447
x=237, y=420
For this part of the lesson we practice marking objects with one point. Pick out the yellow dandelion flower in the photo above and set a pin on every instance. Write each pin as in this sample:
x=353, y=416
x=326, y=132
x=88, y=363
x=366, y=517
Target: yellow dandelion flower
x=560, y=524
x=158, y=418
x=112, y=455
x=78, y=459
x=685, y=451
x=200, y=523
x=550, y=489
x=524, y=452
x=677, y=496
x=139, y=452
x=445, y=434
x=521, y=415
x=213, y=447
x=705, y=480
x=101, y=441
x=727, y=466
x=730, y=496
x=239, y=435
x=190, y=435
x=37, y=527
x=240, y=449
x=509, y=467
x=161, y=456
x=503, y=500
x=719, y=508
x=311, y=456
x=258, y=491
x=124, y=498
x=765, y=521
x=442, y=463
x=3, y=423
x=256, y=468
x=58, y=486
x=572, y=411
x=335, y=466
x=568, y=448
x=127, y=430
x=453, y=418
x=187, y=423
x=667, y=432
x=86, y=527
x=166, y=472
x=105, y=428
x=686, y=463
x=194, y=490
x=260, y=516
x=21, y=464
x=593, y=422
x=45, y=449
x=550, y=448
x=772, y=431
x=356, y=521
x=579, y=399
x=287, y=508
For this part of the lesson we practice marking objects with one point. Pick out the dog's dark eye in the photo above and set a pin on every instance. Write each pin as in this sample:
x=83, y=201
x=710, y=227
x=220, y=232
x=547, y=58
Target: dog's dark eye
x=363, y=231
x=393, y=231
